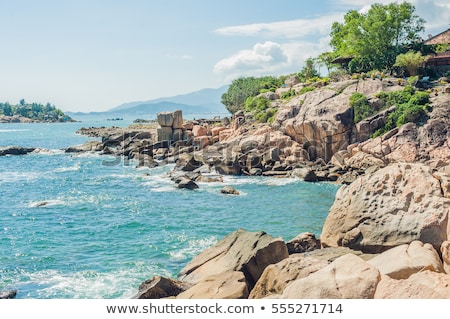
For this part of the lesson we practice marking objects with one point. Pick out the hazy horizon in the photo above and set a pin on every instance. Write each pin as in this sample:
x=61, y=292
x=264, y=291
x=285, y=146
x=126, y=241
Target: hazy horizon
x=91, y=56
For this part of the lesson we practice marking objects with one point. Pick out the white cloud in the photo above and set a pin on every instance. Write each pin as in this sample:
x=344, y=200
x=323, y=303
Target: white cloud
x=270, y=58
x=262, y=58
x=284, y=29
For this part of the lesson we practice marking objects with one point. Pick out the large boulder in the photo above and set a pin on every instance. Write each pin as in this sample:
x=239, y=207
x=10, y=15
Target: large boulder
x=324, y=123
x=348, y=277
x=402, y=261
x=165, y=119
x=276, y=277
x=249, y=252
x=227, y=285
x=389, y=207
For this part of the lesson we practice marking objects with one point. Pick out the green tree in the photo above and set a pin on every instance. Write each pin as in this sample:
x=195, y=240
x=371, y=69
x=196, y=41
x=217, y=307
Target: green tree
x=309, y=70
x=411, y=61
x=326, y=59
x=241, y=89
x=374, y=39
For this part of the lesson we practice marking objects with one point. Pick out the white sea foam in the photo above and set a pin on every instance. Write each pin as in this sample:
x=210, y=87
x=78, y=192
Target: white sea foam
x=11, y=176
x=13, y=130
x=193, y=248
x=76, y=167
x=47, y=203
x=121, y=283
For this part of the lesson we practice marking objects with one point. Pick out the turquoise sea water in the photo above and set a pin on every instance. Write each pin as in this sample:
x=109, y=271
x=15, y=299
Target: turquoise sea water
x=105, y=229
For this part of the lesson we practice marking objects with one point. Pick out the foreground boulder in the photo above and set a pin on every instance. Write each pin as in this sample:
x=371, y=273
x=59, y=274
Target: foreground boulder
x=276, y=277
x=423, y=285
x=348, y=277
x=395, y=205
x=227, y=285
x=249, y=252
x=402, y=261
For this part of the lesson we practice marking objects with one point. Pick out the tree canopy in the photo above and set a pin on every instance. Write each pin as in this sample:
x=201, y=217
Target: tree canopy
x=242, y=88
x=374, y=39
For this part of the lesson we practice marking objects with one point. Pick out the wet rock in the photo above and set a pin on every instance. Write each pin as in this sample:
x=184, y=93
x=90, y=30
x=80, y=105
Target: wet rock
x=15, y=150
x=8, y=294
x=229, y=191
x=160, y=287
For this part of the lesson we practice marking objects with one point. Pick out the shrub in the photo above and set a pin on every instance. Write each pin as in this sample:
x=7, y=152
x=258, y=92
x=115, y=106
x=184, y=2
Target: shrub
x=361, y=107
x=411, y=106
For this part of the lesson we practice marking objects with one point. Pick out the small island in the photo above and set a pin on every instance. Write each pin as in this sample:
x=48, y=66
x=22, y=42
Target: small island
x=31, y=112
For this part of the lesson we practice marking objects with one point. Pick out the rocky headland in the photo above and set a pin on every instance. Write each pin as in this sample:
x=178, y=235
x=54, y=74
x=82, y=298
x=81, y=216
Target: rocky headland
x=387, y=234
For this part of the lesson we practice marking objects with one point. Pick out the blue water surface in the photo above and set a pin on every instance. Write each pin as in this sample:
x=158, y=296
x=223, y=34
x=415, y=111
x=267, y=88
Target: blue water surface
x=74, y=228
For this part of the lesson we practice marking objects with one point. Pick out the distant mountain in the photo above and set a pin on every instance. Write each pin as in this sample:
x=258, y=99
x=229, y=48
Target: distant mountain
x=205, y=101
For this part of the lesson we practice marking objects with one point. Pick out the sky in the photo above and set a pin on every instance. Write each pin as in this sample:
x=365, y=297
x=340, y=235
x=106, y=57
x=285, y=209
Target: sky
x=92, y=55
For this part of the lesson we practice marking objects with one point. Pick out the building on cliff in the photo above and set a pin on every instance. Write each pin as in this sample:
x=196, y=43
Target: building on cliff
x=440, y=60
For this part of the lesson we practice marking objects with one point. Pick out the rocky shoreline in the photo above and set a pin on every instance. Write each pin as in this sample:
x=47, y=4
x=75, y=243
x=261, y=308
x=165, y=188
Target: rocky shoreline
x=387, y=234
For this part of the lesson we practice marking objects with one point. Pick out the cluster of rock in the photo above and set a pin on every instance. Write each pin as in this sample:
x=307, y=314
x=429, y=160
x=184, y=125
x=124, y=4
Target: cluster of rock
x=255, y=265
x=386, y=236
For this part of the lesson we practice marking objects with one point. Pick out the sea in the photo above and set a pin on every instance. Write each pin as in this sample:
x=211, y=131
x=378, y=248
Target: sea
x=72, y=227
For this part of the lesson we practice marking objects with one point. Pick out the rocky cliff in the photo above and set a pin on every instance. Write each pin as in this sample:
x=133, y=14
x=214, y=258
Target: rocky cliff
x=395, y=200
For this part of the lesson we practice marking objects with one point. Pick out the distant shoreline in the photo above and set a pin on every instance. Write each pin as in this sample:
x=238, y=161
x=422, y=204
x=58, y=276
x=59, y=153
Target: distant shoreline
x=21, y=119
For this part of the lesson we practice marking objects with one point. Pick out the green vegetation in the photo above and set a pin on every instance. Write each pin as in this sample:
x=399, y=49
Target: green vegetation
x=361, y=107
x=241, y=89
x=374, y=39
x=309, y=71
x=34, y=111
x=411, y=106
x=261, y=109
x=412, y=61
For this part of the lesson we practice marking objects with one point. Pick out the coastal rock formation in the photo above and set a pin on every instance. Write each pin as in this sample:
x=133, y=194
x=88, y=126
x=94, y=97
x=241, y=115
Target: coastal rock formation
x=395, y=205
x=15, y=150
x=248, y=252
x=337, y=281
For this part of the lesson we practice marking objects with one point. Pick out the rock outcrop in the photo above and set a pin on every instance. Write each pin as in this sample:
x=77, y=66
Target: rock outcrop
x=243, y=251
x=15, y=150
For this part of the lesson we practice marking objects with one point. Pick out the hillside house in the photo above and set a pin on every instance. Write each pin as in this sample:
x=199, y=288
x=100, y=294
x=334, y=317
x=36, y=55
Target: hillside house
x=439, y=60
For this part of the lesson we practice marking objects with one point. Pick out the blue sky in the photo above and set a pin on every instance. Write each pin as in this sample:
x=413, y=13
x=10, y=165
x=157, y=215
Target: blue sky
x=92, y=55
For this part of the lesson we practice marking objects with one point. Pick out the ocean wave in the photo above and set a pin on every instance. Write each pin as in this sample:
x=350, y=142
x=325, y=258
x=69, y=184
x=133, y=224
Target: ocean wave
x=14, y=130
x=47, y=203
x=76, y=167
x=12, y=177
x=193, y=247
x=86, y=284
x=250, y=180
